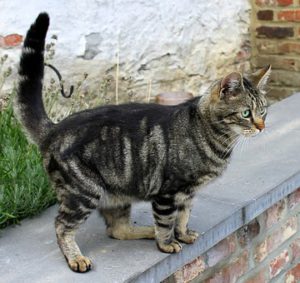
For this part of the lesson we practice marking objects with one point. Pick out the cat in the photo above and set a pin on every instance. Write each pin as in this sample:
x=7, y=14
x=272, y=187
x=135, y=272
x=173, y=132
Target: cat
x=111, y=156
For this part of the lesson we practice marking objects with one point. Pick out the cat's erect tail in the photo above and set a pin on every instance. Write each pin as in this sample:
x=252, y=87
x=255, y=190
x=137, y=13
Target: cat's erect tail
x=29, y=103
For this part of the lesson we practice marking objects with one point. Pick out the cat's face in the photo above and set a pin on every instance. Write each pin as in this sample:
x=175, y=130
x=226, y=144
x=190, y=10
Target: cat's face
x=242, y=103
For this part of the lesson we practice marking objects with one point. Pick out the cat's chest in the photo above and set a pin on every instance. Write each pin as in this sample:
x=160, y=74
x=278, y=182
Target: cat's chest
x=204, y=178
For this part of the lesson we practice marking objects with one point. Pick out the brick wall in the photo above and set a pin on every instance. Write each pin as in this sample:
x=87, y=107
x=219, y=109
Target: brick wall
x=10, y=40
x=275, y=32
x=265, y=250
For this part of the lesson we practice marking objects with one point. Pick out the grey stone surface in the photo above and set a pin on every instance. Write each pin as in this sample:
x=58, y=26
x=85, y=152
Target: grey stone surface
x=262, y=172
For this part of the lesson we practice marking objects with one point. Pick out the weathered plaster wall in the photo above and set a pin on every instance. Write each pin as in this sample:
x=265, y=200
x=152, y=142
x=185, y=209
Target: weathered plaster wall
x=172, y=45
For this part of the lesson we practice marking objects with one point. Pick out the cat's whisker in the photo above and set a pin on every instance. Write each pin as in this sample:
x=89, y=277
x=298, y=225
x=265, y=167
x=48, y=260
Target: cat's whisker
x=239, y=143
x=229, y=149
x=248, y=143
x=222, y=136
x=244, y=143
x=232, y=138
x=230, y=145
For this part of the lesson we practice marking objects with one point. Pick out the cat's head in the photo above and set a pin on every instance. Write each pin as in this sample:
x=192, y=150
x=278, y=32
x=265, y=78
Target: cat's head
x=240, y=101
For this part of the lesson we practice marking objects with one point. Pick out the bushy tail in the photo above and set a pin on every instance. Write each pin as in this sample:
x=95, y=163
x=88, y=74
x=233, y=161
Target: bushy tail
x=29, y=104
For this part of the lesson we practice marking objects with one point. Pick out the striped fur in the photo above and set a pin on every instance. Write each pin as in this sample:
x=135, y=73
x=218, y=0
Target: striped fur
x=111, y=156
x=31, y=73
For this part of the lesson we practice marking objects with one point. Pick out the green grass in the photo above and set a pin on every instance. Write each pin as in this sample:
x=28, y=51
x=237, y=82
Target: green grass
x=24, y=187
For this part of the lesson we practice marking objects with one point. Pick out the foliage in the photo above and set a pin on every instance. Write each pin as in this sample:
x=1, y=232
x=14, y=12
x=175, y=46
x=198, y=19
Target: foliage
x=24, y=187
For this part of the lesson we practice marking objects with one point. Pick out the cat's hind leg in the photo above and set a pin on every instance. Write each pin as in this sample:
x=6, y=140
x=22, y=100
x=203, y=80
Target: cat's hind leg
x=78, y=194
x=117, y=220
x=74, y=209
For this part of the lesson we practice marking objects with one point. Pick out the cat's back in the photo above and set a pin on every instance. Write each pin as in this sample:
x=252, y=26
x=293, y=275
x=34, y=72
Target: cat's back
x=132, y=119
x=113, y=115
x=126, y=116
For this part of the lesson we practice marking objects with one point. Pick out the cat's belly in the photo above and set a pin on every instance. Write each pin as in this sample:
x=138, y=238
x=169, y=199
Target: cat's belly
x=108, y=200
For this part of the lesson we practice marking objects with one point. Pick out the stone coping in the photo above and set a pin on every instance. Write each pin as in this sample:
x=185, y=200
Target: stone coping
x=263, y=171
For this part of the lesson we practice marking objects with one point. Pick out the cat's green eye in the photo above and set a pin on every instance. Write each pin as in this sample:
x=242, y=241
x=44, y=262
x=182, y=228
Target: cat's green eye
x=246, y=114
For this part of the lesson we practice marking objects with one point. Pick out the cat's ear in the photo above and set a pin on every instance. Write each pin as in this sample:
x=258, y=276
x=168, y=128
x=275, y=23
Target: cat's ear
x=231, y=85
x=261, y=78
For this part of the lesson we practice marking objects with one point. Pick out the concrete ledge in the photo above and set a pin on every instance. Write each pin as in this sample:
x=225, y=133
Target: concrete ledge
x=262, y=172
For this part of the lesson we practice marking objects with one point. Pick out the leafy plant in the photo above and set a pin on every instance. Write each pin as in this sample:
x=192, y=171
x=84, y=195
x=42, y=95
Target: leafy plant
x=24, y=187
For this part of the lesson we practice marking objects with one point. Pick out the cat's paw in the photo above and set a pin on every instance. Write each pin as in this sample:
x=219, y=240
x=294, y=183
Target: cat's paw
x=80, y=264
x=172, y=247
x=189, y=238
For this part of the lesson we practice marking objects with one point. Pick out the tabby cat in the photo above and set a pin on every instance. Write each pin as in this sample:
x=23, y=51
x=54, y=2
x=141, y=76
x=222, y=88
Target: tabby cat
x=111, y=156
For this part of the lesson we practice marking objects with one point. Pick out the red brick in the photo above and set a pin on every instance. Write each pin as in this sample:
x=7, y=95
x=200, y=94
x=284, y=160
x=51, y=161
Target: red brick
x=267, y=46
x=285, y=78
x=231, y=272
x=286, y=16
x=276, y=212
x=265, y=15
x=274, y=32
x=284, y=2
x=277, y=62
x=176, y=277
x=221, y=250
x=289, y=16
x=289, y=47
x=273, y=2
x=11, y=40
x=259, y=277
x=274, y=240
x=189, y=271
x=295, y=249
x=286, y=64
x=294, y=199
x=278, y=263
x=193, y=269
x=293, y=275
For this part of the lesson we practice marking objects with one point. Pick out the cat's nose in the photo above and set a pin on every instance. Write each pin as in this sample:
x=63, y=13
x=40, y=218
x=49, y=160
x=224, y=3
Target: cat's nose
x=259, y=124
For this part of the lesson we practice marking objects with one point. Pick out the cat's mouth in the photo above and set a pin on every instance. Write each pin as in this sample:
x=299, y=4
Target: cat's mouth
x=251, y=132
x=246, y=132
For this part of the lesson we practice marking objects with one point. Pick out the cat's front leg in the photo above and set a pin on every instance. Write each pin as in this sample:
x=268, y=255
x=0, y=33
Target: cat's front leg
x=165, y=212
x=182, y=233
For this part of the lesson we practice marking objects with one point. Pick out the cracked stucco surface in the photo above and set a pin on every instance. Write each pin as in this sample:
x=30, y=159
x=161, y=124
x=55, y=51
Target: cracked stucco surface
x=175, y=45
